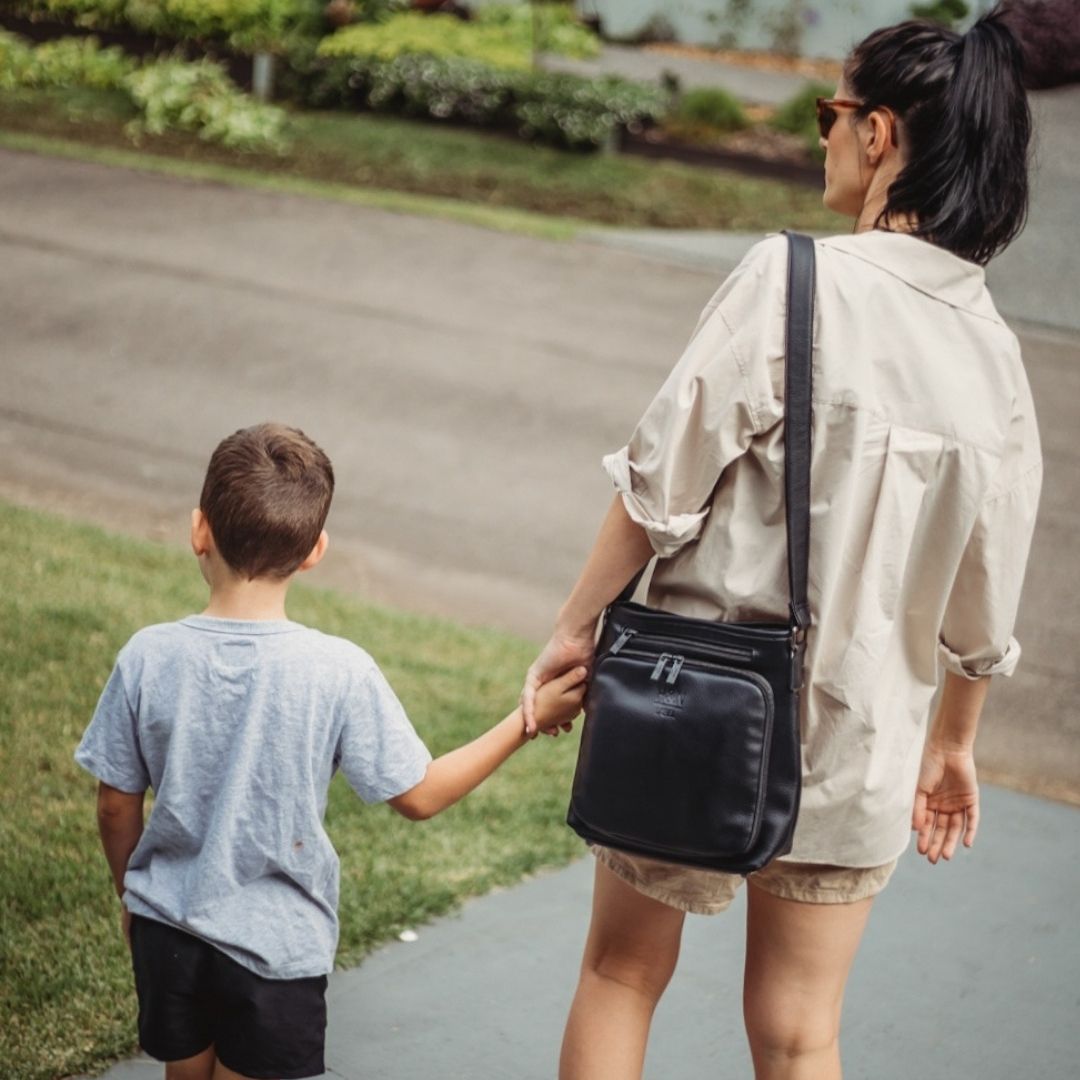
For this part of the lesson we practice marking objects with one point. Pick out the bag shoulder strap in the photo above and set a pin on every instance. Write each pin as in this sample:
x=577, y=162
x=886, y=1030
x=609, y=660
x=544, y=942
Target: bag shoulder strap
x=798, y=381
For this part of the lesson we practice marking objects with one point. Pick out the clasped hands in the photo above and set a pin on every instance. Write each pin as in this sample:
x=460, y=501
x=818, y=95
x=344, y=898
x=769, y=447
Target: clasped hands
x=566, y=653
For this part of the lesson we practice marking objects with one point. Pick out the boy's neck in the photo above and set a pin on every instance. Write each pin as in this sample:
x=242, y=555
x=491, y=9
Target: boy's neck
x=259, y=600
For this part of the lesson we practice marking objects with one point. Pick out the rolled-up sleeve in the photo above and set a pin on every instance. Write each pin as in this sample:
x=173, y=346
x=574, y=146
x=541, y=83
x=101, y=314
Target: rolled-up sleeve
x=717, y=397
x=977, y=632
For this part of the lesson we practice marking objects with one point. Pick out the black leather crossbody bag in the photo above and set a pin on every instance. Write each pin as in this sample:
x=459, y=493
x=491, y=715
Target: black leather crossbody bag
x=690, y=749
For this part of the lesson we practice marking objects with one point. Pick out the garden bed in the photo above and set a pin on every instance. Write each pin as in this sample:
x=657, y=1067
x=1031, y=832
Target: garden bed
x=757, y=151
x=390, y=154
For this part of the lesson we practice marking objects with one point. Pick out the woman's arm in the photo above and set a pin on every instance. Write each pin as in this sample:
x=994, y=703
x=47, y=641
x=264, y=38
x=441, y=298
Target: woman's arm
x=621, y=549
x=947, y=796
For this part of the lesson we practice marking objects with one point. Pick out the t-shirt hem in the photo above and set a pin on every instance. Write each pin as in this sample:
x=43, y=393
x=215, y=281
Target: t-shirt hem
x=102, y=771
x=290, y=971
x=406, y=782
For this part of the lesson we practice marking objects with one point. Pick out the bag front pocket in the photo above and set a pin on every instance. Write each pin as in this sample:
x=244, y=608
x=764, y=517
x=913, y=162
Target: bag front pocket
x=674, y=754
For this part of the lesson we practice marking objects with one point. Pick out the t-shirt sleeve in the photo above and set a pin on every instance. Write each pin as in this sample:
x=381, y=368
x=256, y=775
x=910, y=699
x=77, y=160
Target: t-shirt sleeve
x=378, y=749
x=110, y=746
x=719, y=395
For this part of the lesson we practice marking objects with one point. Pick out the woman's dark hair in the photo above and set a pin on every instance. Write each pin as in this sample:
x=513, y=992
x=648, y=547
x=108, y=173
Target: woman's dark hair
x=965, y=118
x=1049, y=35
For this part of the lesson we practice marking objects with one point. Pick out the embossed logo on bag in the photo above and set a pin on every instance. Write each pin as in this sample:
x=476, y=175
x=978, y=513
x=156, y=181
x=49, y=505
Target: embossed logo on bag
x=668, y=703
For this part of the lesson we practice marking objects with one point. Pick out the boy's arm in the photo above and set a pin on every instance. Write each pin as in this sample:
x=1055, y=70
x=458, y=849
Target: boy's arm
x=452, y=776
x=120, y=823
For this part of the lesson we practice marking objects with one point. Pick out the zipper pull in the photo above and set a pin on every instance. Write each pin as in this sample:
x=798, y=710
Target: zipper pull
x=676, y=667
x=621, y=641
x=659, y=669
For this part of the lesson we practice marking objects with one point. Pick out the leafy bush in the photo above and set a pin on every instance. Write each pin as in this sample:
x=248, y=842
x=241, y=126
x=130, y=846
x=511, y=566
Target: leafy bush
x=798, y=115
x=169, y=94
x=500, y=35
x=946, y=12
x=562, y=109
x=247, y=25
x=712, y=107
x=572, y=111
x=412, y=33
x=557, y=27
x=16, y=58
x=78, y=62
x=199, y=97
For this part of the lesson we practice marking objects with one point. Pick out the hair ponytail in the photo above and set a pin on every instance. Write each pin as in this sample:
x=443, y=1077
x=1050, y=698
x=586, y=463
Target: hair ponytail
x=967, y=125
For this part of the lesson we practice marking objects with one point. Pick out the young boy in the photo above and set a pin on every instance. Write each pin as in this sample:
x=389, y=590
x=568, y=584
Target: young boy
x=237, y=719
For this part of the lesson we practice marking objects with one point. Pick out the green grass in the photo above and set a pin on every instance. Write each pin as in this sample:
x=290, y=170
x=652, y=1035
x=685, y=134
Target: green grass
x=71, y=595
x=336, y=153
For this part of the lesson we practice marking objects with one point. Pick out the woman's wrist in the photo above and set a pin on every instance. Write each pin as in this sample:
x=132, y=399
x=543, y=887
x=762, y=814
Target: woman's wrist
x=574, y=624
x=950, y=742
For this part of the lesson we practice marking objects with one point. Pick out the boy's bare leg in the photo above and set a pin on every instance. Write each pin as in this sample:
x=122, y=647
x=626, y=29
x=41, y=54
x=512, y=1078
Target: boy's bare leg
x=223, y=1073
x=797, y=961
x=199, y=1067
x=629, y=959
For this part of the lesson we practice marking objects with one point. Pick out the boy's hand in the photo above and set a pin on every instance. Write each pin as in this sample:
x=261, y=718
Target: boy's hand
x=558, y=702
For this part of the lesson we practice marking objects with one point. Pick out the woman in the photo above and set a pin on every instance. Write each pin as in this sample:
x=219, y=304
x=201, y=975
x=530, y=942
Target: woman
x=925, y=479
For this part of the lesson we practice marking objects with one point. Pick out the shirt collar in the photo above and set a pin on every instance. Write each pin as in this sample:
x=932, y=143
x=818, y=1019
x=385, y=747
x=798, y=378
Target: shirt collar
x=923, y=266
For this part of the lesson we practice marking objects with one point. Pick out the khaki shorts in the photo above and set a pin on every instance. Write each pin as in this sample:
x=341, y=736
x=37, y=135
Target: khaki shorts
x=708, y=892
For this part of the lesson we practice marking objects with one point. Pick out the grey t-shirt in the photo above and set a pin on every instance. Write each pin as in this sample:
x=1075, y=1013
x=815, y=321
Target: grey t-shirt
x=238, y=727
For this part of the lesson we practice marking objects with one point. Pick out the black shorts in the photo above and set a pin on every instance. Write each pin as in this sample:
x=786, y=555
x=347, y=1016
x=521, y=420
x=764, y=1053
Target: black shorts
x=192, y=996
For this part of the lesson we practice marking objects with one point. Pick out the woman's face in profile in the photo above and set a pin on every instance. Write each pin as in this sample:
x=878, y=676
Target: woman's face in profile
x=845, y=186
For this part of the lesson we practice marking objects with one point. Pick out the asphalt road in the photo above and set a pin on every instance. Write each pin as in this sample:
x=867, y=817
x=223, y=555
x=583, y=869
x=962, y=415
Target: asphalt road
x=464, y=382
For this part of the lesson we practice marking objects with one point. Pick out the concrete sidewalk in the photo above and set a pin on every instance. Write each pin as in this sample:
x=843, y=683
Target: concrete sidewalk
x=968, y=970
x=753, y=85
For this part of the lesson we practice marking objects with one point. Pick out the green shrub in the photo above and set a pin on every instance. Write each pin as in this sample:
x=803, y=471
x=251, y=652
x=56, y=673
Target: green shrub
x=412, y=33
x=712, y=107
x=169, y=94
x=247, y=25
x=565, y=110
x=946, y=12
x=199, y=97
x=576, y=112
x=16, y=58
x=79, y=62
x=558, y=28
x=501, y=36
x=798, y=115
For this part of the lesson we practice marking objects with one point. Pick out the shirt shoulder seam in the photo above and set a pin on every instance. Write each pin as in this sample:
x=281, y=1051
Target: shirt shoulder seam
x=995, y=319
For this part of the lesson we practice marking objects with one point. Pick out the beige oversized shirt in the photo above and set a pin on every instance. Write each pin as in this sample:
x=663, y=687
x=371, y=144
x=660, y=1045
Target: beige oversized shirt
x=924, y=485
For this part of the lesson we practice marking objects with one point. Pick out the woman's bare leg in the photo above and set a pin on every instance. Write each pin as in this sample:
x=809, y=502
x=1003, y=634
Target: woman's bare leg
x=630, y=955
x=797, y=961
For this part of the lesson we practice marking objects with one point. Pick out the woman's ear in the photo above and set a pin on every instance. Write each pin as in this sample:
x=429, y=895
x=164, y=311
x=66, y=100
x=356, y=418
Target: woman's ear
x=317, y=552
x=880, y=135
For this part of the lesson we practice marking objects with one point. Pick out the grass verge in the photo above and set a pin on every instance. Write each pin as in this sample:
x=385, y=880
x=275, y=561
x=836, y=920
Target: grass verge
x=510, y=184
x=70, y=596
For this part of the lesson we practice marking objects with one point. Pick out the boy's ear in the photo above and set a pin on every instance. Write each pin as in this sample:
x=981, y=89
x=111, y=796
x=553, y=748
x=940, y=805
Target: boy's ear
x=201, y=538
x=317, y=552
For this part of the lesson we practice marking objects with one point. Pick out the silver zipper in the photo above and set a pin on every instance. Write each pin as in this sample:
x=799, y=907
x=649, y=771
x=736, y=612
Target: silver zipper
x=734, y=651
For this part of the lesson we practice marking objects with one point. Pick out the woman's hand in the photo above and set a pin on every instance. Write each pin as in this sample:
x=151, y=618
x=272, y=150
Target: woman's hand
x=946, y=800
x=566, y=649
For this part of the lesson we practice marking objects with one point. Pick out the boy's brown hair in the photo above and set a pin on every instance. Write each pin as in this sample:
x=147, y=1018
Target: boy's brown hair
x=266, y=496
